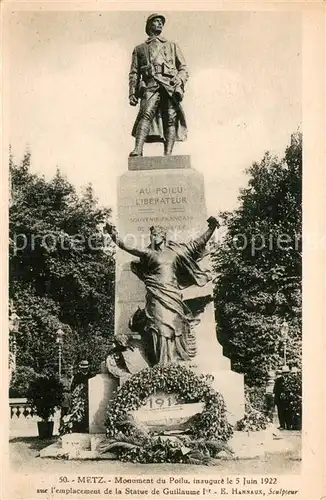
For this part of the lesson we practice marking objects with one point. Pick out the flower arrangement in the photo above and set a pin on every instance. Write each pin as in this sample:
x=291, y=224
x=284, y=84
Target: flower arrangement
x=210, y=426
x=76, y=412
x=253, y=420
x=158, y=449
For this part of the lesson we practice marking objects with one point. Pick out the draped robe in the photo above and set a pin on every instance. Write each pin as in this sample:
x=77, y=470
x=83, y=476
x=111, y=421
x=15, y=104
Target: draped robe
x=165, y=322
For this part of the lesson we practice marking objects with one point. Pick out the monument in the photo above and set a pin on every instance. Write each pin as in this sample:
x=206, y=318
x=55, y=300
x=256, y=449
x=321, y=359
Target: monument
x=164, y=309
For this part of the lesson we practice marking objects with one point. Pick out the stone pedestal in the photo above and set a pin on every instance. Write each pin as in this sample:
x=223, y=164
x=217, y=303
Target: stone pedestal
x=101, y=390
x=167, y=191
x=75, y=441
x=231, y=386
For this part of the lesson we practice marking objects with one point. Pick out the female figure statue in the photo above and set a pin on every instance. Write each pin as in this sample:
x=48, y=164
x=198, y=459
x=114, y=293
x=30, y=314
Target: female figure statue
x=166, y=268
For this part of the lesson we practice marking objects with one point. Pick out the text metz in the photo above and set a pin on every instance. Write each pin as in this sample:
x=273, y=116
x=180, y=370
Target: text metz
x=90, y=479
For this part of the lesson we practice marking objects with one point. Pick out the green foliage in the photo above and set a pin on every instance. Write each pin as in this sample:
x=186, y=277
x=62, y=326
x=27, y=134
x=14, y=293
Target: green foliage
x=189, y=388
x=45, y=394
x=254, y=418
x=150, y=448
x=258, y=269
x=160, y=449
x=155, y=450
x=292, y=396
x=255, y=397
x=20, y=381
x=61, y=271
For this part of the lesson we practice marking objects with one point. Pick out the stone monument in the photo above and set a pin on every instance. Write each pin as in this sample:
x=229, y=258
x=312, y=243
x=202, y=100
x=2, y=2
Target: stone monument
x=172, y=197
x=164, y=295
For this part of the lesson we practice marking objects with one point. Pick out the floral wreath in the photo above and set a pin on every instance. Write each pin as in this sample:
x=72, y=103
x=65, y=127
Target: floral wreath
x=188, y=387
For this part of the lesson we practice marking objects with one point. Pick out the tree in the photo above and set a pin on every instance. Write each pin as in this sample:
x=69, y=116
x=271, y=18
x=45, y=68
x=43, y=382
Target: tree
x=258, y=268
x=61, y=270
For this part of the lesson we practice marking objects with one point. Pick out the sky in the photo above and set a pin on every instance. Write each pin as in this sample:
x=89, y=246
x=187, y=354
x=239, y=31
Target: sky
x=68, y=81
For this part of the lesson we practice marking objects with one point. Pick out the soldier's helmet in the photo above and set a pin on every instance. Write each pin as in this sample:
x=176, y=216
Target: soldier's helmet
x=150, y=19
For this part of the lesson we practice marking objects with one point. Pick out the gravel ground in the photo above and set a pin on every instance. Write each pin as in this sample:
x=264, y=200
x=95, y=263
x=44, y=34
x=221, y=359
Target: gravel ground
x=24, y=459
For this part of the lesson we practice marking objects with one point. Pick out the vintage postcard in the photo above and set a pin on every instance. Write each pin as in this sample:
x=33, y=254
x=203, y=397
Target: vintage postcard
x=163, y=285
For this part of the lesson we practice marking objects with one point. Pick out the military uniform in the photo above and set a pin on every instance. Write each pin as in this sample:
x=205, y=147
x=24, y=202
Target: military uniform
x=157, y=76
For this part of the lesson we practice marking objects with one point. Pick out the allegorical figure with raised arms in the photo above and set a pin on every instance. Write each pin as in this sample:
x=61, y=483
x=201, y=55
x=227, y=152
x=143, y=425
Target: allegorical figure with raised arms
x=157, y=78
x=166, y=268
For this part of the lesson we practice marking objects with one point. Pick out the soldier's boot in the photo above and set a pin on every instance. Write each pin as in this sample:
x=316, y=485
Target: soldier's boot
x=141, y=134
x=170, y=137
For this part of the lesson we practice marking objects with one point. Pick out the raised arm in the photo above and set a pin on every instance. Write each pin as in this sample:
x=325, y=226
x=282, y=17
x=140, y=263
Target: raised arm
x=115, y=237
x=206, y=236
x=195, y=248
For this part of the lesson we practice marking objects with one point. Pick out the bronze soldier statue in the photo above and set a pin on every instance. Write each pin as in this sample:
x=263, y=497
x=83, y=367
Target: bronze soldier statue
x=157, y=78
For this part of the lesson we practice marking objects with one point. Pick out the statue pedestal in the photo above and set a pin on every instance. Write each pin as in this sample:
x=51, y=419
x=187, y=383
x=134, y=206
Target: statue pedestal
x=231, y=385
x=101, y=389
x=166, y=191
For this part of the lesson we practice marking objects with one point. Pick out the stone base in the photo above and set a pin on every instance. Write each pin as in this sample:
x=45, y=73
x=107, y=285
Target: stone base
x=75, y=440
x=101, y=390
x=77, y=446
x=158, y=162
x=231, y=385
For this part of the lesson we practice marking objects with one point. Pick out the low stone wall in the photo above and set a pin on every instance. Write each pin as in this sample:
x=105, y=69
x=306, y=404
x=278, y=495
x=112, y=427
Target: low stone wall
x=23, y=422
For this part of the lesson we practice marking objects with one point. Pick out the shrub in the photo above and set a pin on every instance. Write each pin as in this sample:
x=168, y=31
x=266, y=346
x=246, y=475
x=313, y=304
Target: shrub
x=45, y=394
x=255, y=397
x=20, y=381
x=292, y=395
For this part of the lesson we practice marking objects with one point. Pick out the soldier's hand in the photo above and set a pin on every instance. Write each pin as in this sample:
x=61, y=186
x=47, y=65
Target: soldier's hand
x=213, y=223
x=176, y=80
x=133, y=101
